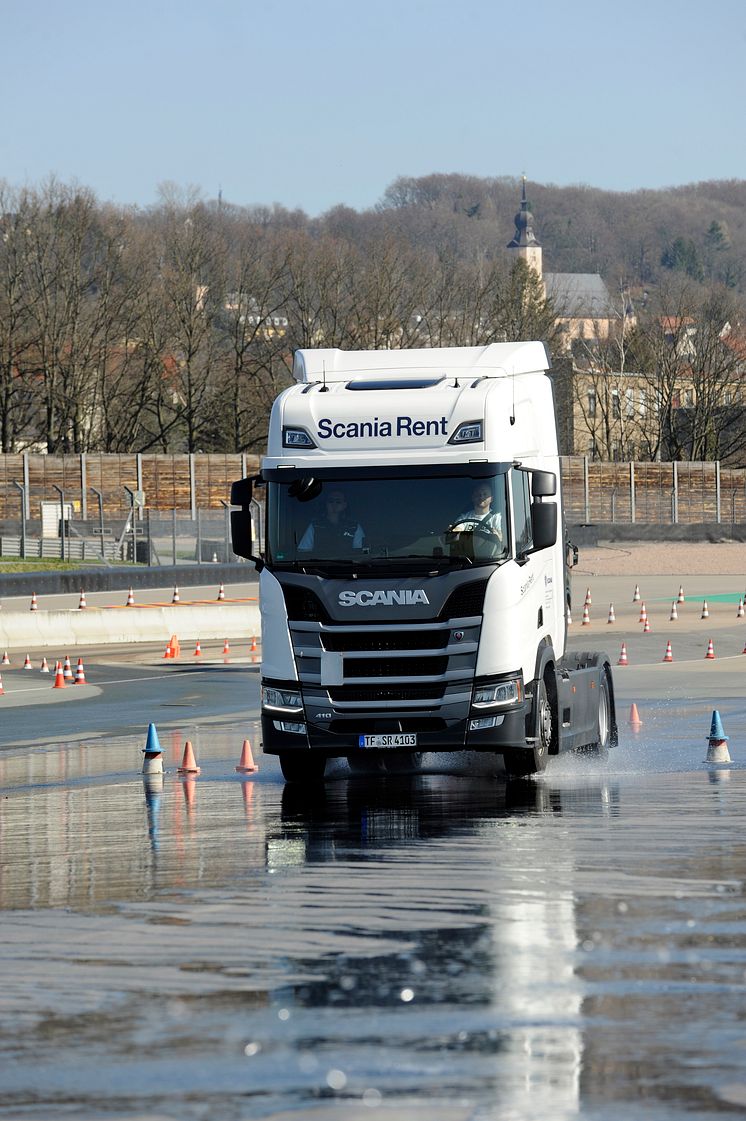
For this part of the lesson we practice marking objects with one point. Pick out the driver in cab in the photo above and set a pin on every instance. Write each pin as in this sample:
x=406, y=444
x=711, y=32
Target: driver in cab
x=478, y=532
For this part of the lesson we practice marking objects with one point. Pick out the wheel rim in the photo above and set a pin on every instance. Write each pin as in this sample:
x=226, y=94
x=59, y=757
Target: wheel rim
x=603, y=716
x=545, y=722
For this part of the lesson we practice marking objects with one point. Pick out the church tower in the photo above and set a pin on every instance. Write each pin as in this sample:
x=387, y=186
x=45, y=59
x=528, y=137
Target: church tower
x=525, y=243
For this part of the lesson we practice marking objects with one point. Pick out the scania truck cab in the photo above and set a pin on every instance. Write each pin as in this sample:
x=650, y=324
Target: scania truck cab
x=408, y=533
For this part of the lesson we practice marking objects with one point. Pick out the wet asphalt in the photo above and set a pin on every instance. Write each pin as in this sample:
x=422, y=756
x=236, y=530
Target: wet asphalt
x=440, y=945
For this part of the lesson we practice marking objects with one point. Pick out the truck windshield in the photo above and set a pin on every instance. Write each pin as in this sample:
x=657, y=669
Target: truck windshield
x=388, y=522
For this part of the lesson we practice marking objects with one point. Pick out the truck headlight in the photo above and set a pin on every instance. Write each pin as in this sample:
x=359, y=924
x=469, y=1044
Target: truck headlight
x=288, y=699
x=508, y=692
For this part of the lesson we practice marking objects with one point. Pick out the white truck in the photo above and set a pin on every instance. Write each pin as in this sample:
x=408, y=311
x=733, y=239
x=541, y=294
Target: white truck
x=413, y=576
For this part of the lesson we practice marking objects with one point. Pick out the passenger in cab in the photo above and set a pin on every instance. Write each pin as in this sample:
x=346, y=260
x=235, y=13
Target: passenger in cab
x=336, y=532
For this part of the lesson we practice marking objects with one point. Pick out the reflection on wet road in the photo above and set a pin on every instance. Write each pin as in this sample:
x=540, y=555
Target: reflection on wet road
x=410, y=946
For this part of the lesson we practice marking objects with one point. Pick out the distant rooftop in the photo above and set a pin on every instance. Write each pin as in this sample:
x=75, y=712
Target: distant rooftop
x=579, y=295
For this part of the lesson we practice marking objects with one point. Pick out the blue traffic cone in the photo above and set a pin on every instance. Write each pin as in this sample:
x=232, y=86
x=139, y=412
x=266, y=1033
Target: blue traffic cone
x=152, y=763
x=717, y=741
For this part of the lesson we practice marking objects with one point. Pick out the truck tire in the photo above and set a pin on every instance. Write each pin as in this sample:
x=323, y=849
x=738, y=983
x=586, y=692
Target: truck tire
x=601, y=745
x=521, y=762
x=302, y=766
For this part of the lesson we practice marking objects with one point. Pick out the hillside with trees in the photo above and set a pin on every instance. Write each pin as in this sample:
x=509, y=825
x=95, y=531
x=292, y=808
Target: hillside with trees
x=172, y=328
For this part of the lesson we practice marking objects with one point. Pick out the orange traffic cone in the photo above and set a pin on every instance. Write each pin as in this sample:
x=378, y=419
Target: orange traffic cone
x=586, y=617
x=68, y=669
x=130, y=599
x=668, y=656
x=635, y=722
x=82, y=603
x=710, y=650
x=44, y=668
x=80, y=674
x=27, y=663
x=167, y=652
x=34, y=604
x=175, y=598
x=6, y=659
x=59, y=677
x=623, y=656
x=636, y=596
x=198, y=650
x=246, y=764
x=681, y=597
x=646, y=626
x=643, y=613
x=705, y=613
x=674, y=613
x=221, y=592
x=175, y=647
x=588, y=599
x=612, y=616
x=188, y=762
x=253, y=644
x=226, y=647
x=740, y=612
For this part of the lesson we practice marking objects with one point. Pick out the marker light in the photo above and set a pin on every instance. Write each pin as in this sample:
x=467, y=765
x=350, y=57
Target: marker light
x=468, y=433
x=296, y=438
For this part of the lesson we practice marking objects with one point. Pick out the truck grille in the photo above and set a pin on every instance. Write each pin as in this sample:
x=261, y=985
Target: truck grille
x=396, y=639
x=395, y=667
x=433, y=692
x=464, y=601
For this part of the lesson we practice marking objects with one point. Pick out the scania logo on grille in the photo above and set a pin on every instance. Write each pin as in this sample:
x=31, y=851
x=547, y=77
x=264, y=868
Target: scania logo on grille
x=367, y=598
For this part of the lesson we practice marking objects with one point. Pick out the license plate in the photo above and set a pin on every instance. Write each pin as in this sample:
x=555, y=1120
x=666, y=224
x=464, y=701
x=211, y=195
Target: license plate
x=396, y=739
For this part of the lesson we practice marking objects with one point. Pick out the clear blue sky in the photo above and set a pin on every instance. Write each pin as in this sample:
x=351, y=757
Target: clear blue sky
x=311, y=103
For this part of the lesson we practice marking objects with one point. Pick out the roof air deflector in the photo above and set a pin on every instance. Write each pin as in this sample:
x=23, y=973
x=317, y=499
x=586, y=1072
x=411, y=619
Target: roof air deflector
x=395, y=383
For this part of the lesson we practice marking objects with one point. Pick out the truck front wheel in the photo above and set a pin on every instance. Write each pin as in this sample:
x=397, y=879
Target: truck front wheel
x=520, y=762
x=302, y=766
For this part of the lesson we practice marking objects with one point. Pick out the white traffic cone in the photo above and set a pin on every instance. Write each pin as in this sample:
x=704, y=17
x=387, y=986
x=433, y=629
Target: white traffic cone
x=586, y=616
x=674, y=613
x=130, y=598
x=636, y=596
x=612, y=616
x=705, y=611
x=681, y=598
x=623, y=656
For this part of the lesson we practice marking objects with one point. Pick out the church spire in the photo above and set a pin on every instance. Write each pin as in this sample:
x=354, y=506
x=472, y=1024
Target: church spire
x=525, y=244
x=524, y=231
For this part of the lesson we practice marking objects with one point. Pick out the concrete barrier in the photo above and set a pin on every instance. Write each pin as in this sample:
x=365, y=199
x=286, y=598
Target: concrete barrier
x=98, y=627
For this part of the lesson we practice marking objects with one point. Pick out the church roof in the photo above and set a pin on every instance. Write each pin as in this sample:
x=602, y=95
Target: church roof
x=579, y=295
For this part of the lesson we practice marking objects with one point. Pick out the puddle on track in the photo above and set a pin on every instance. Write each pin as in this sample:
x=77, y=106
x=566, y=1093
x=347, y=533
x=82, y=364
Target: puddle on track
x=431, y=945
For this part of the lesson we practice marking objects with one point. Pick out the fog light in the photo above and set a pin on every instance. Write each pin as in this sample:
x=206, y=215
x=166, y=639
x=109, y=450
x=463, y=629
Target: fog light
x=483, y=722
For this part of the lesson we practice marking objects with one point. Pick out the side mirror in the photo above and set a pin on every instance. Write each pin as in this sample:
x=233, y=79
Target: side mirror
x=543, y=484
x=242, y=494
x=544, y=524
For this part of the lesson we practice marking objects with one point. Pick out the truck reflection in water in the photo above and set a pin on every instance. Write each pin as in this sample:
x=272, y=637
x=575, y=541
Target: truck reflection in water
x=489, y=971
